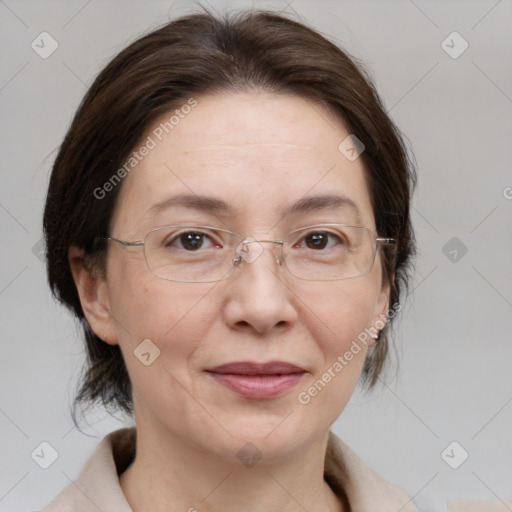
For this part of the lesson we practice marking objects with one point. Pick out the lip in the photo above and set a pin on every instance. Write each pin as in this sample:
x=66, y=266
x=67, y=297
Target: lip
x=258, y=380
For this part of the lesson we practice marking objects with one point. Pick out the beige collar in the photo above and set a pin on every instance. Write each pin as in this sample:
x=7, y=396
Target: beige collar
x=98, y=483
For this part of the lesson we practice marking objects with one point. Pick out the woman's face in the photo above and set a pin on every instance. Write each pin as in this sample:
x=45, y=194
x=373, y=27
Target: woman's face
x=259, y=154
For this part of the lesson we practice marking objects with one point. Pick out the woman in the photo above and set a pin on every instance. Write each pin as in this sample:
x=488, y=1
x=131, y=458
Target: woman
x=228, y=216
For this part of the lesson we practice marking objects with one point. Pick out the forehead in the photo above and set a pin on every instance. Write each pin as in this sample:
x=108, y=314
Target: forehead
x=258, y=154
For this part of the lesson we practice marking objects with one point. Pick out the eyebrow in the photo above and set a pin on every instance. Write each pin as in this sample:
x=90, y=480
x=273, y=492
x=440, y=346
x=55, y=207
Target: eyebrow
x=195, y=202
x=217, y=206
x=315, y=203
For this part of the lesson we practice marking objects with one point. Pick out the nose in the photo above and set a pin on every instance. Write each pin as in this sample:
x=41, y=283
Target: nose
x=258, y=298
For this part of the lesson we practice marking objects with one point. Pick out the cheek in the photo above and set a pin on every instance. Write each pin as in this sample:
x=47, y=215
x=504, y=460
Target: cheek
x=336, y=321
x=337, y=318
x=174, y=316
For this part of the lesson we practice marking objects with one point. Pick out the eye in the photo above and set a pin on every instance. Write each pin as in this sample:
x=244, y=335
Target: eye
x=319, y=240
x=191, y=241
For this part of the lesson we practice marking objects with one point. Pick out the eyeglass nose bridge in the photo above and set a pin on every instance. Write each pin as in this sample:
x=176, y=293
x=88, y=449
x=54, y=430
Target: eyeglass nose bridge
x=249, y=254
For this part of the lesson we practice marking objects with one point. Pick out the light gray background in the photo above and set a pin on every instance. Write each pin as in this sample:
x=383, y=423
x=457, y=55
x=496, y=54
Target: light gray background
x=454, y=342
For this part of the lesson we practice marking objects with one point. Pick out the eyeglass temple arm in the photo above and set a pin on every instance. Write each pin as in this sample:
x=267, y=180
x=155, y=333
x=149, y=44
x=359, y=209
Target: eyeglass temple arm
x=385, y=241
x=122, y=242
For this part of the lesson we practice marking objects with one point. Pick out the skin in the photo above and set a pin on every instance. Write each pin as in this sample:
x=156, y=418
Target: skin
x=259, y=153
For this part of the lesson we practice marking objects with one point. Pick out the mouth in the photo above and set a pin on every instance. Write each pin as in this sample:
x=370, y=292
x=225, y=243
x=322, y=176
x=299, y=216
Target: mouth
x=258, y=380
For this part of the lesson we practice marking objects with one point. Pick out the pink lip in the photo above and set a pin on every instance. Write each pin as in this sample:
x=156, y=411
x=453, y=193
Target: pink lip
x=258, y=380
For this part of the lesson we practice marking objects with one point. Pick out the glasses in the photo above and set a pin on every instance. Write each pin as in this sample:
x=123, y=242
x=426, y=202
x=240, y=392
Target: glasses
x=188, y=253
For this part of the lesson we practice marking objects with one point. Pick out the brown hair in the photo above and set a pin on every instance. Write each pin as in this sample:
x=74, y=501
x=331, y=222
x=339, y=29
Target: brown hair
x=194, y=55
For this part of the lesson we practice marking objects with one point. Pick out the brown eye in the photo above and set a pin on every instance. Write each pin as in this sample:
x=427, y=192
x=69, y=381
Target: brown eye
x=191, y=241
x=317, y=240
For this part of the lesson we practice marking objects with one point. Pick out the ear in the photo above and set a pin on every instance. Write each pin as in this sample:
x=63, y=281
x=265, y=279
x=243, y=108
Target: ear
x=93, y=292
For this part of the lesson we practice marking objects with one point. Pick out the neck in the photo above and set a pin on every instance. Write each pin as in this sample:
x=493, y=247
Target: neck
x=169, y=472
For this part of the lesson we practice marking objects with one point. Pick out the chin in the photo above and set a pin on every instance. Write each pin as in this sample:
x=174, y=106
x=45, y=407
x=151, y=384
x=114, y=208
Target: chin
x=276, y=435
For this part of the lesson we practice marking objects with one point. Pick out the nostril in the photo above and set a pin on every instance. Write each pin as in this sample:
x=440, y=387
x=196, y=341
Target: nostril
x=243, y=323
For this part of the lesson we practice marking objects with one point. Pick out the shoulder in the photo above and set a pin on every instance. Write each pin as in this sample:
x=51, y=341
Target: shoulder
x=365, y=490
x=97, y=486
